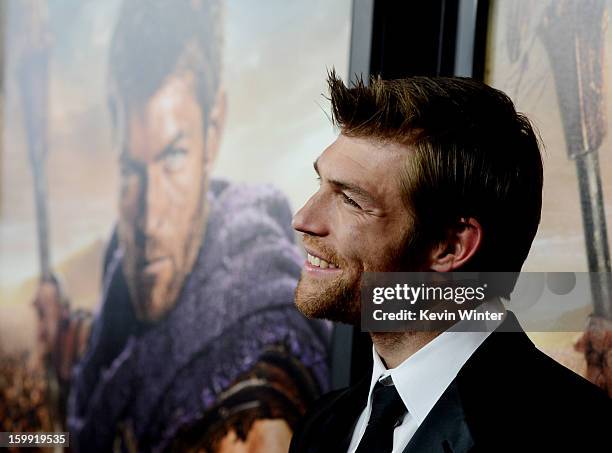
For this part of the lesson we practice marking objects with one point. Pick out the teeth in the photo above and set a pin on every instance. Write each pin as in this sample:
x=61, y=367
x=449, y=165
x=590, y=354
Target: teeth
x=318, y=262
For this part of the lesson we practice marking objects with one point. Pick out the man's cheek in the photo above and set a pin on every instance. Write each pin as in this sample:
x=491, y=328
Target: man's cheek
x=179, y=192
x=354, y=247
x=187, y=178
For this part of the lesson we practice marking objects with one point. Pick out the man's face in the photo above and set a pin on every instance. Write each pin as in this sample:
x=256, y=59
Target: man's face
x=163, y=186
x=356, y=222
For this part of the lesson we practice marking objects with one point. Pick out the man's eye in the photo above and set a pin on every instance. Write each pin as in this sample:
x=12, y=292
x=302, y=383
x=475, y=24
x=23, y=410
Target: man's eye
x=174, y=159
x=348, y=200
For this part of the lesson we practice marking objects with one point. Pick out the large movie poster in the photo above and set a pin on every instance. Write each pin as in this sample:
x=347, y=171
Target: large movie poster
x=153, y=153
x=551, y=57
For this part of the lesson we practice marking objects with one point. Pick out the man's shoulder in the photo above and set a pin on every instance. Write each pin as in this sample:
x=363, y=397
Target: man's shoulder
x=510, y=384
x=315, y=418
x=568, y=389
x=325, y=403
x=329, y=421
x=245, y=212
x=509, y=360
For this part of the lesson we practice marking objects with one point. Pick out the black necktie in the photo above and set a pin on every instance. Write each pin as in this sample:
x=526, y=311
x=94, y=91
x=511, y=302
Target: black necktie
x=387, y=408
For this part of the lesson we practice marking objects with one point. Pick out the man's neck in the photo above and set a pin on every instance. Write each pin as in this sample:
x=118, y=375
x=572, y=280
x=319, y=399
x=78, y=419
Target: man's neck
x=395, y=347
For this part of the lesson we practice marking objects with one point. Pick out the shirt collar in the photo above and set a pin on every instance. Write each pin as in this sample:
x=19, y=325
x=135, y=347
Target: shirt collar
x=422, y=378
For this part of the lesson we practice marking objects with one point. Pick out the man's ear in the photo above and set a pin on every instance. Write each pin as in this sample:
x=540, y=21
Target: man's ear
x=215, y=128
x=462, y=242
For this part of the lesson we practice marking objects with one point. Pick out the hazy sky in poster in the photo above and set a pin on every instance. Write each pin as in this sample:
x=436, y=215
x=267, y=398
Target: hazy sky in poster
x=276, y=57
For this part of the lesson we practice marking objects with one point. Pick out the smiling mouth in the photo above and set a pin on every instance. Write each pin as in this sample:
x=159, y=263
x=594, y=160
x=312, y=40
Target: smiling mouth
x=319, y=262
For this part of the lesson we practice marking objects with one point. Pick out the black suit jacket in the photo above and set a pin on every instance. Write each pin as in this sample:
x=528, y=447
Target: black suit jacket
x=509, y=396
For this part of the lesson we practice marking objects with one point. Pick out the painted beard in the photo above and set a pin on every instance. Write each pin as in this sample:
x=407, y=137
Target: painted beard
x=155, y=289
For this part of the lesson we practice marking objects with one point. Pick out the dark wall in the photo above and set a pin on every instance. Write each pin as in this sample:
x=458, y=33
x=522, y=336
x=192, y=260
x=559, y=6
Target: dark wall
x=408, y=38
x=413, y=37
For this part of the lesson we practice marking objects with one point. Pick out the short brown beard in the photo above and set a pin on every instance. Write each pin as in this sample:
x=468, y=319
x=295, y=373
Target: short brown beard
x=338, y=303
x=340, y=300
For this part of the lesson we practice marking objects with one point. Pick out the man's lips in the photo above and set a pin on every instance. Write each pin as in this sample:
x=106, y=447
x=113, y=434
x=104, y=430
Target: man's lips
x=153, y=266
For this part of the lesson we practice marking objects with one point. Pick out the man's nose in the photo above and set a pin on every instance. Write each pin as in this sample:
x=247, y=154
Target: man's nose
x=311, y=218
x=151, y=202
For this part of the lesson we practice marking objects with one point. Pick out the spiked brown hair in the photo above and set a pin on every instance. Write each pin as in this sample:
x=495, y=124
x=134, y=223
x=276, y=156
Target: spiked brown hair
x=469, y=154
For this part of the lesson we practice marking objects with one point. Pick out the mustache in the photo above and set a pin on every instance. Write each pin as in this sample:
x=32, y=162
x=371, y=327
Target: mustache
x=328, y=253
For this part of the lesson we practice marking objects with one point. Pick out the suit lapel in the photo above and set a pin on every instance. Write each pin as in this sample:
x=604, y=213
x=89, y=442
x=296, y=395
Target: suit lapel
x=458, y=422
x=444, y=430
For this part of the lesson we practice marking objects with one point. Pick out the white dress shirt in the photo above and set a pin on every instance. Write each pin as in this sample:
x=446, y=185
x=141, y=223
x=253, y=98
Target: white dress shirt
x=422, y=378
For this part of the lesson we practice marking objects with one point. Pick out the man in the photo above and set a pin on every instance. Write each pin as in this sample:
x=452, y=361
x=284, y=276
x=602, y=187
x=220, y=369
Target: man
x=197, y=344
x=434, y=175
